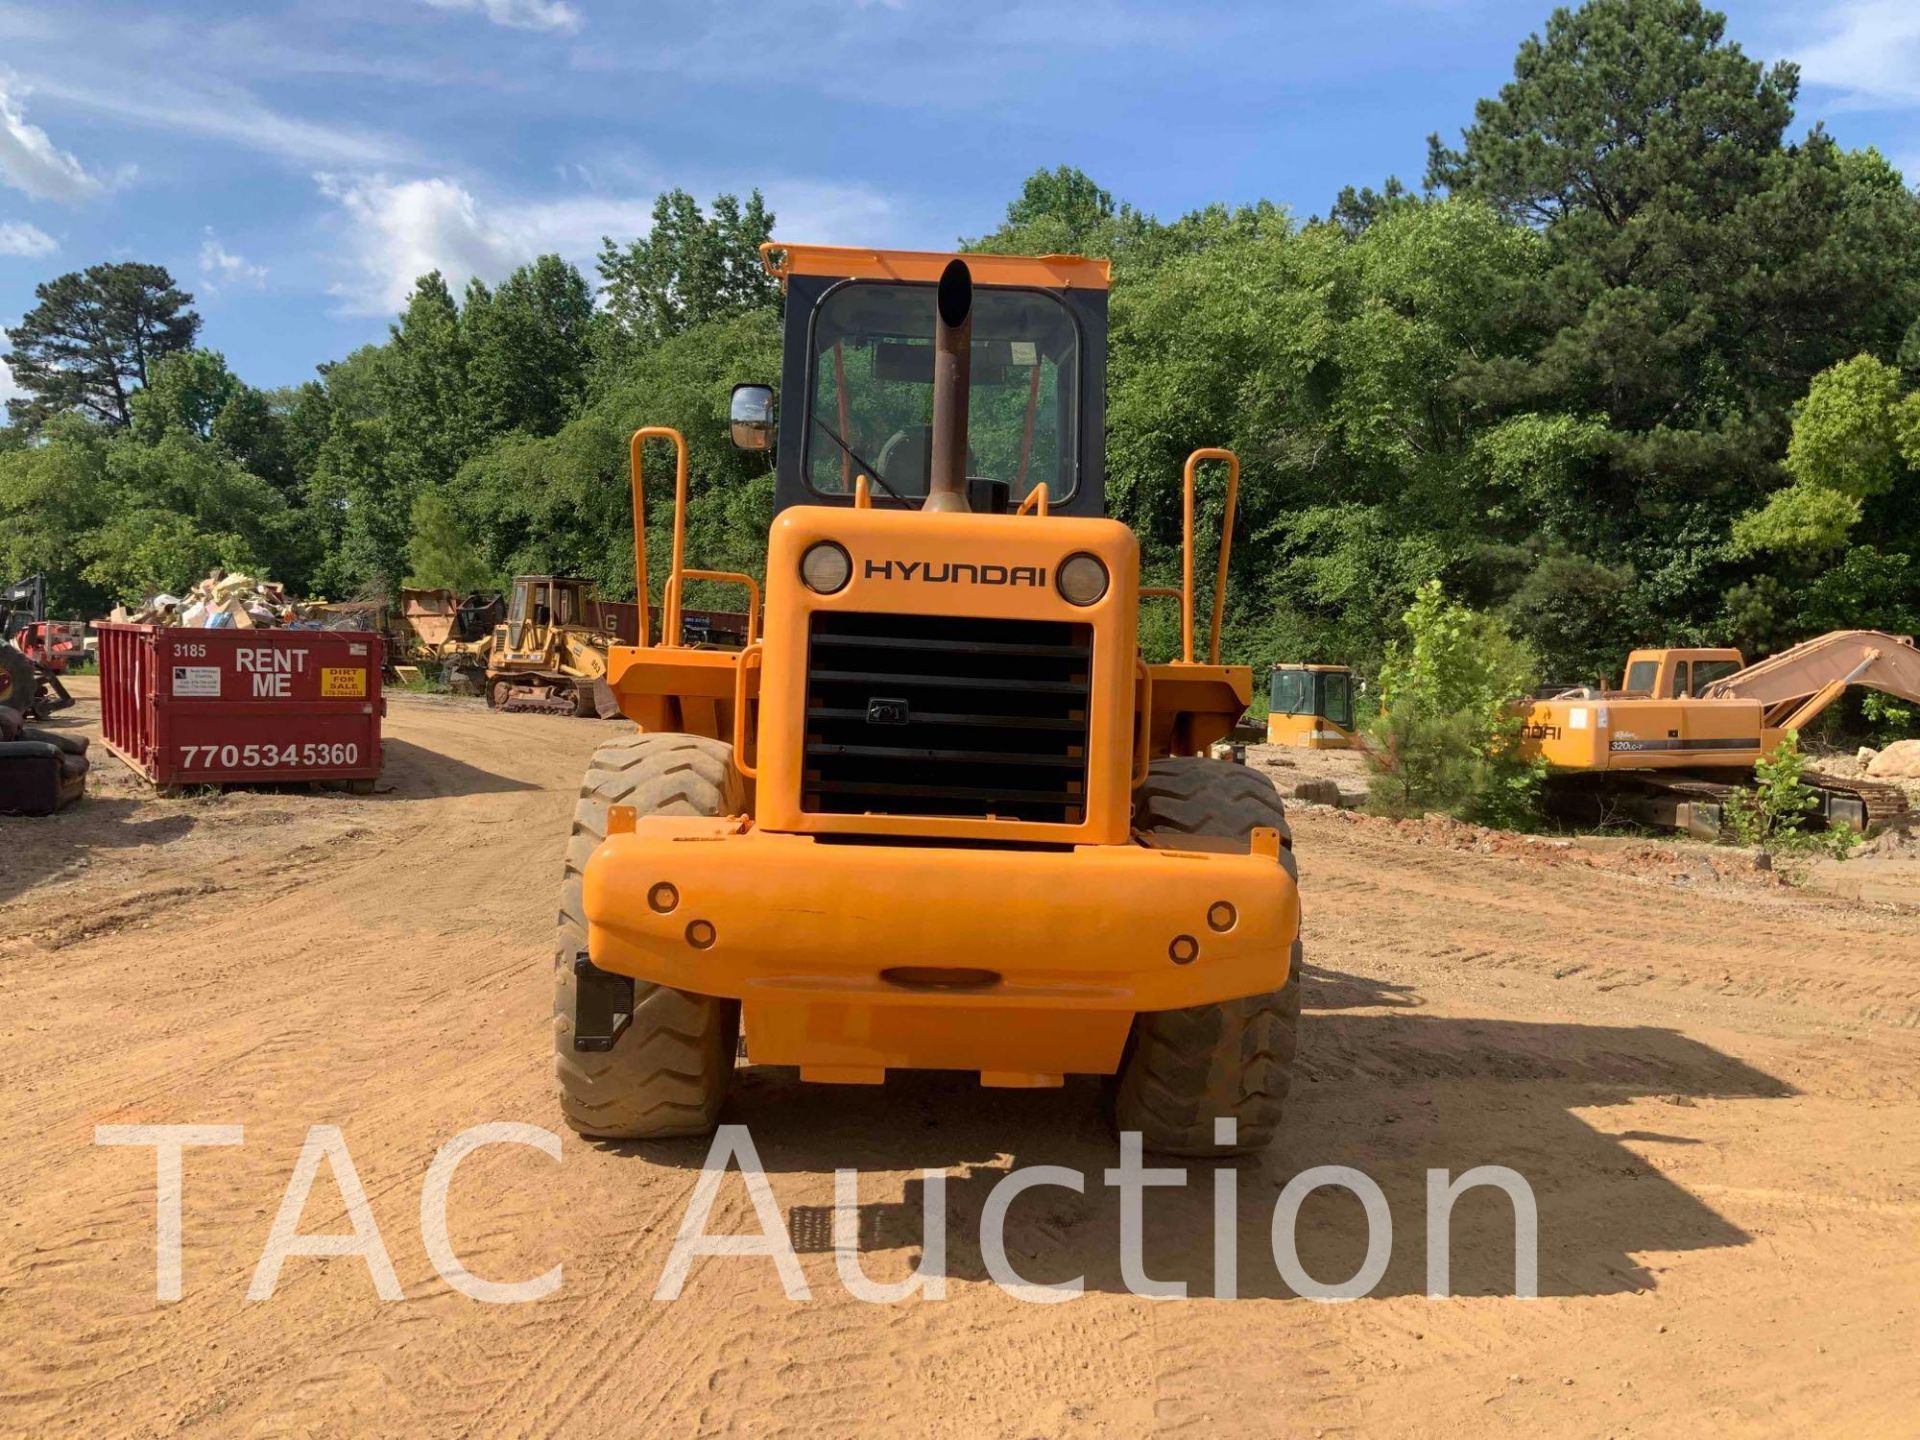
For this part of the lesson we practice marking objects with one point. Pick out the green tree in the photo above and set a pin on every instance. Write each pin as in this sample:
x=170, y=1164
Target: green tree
x=88, y=343
x=185, y=391
x=1845, y=435
x=53, y=494
x=441, y=552
x=1446, y=737
x=1854, y=437
x=690, y=268
x=530, y=347
x=424, y=392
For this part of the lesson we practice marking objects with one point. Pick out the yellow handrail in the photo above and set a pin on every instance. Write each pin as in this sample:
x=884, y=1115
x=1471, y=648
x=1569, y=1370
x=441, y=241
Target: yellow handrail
x=1186, y=556
x=749, y=656
x=719, y=577
x=669, y=622
x=1036, y=500
x=1143, y=717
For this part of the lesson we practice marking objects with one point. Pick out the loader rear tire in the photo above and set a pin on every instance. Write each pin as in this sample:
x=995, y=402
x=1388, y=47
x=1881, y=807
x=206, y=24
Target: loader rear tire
x=668, y=1071
x=1232, y=1060
x=18, y=682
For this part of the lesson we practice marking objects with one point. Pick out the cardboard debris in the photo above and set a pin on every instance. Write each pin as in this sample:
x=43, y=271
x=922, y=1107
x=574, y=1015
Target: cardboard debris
x=219, y=602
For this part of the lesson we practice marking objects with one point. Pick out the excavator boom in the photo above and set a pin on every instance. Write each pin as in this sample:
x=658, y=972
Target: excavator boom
x=1797, y=684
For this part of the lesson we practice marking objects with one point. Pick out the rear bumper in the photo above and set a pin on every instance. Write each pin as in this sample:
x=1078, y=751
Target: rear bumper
x=1066, y=946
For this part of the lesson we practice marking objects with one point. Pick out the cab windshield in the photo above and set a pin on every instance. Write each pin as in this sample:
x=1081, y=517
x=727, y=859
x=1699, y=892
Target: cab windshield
x=871, y=392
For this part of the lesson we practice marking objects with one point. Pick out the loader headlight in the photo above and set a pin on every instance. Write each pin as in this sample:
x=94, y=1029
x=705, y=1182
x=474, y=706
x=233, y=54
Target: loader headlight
x=1082, y=579
x=826, y=567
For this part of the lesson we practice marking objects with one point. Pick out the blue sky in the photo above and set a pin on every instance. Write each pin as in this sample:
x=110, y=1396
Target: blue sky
x=296, y=165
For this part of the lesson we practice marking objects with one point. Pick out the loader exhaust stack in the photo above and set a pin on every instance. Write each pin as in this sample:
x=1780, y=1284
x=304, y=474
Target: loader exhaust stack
x=952, y=382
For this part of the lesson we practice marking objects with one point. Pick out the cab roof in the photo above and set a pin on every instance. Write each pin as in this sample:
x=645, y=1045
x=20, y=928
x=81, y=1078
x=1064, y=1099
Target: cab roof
x=1046, y=272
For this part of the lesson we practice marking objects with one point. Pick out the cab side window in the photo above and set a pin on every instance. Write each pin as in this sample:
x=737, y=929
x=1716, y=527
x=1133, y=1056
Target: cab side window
x=1339, y=707
x=1679, y=679
x=1705, y=672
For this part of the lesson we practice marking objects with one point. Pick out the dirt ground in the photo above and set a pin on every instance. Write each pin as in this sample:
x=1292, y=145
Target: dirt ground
x=1710, y=1081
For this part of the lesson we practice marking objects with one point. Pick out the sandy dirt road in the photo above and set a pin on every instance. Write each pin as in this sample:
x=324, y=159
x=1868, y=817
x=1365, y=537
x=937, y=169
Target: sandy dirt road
x=1713, y=1089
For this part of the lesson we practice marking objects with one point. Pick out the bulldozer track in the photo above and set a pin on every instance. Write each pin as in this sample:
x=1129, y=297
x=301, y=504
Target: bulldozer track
x=539, y=705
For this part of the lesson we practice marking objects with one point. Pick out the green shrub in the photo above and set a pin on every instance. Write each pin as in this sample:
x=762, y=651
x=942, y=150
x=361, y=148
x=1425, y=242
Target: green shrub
x=1447, y=735
x=1771, y=812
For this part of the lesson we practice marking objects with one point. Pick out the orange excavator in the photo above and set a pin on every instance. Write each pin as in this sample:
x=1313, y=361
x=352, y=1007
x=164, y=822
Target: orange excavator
x=1687, y=725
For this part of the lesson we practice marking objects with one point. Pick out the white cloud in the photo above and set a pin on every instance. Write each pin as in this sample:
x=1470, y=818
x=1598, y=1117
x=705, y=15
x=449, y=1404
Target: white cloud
x=25, y=241
x=398, y=230
x=223, y=270
x=8, y=390
x=230, y=114
x=520, y=14
x=31, y=162
x=1869, y=49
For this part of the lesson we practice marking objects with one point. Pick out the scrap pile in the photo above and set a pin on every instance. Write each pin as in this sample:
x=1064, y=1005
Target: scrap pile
x=41, y=771
x=219, y=602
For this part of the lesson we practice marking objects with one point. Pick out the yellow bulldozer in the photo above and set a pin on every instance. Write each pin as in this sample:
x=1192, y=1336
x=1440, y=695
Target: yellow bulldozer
x=549, y=655
x=938, y=812
x=1687, y=725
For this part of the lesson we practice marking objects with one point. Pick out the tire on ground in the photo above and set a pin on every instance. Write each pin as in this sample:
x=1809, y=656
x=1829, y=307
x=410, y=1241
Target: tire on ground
x=668, y=1071
x=17, y=680
x=1183, y=1069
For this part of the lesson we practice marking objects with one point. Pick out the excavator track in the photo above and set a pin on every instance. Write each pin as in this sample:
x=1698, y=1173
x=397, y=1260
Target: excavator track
x=1695, y=803
x=1881, y=803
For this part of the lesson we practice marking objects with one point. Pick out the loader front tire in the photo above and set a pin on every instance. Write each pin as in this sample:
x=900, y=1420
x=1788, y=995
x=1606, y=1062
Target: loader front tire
x=668, y=1071
x=1232, y=1060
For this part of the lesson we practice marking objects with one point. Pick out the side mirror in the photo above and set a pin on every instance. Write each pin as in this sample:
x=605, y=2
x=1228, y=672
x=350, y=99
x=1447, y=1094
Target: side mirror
x=751, y=417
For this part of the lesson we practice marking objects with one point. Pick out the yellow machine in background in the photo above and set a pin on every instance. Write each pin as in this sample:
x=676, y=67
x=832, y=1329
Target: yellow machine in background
x=1311, y=707
x=549, y=656
x=1689, y=724
x=938, y=813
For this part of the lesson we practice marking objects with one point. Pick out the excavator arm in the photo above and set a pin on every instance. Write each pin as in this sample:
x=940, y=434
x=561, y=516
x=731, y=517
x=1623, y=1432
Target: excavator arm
x=1796, y=685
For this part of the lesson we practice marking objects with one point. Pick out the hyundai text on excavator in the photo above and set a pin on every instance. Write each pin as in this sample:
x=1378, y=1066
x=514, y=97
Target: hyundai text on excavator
x=1687, y=726
x=938, y=813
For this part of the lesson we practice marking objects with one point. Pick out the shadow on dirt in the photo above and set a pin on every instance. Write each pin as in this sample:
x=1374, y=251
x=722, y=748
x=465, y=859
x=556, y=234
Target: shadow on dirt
x=413, y=772
x=1390, y=1095
x=38, y=850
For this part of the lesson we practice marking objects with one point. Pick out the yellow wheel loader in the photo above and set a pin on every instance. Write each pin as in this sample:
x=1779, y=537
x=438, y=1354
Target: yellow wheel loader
x=1686, y=726
x=938, y=813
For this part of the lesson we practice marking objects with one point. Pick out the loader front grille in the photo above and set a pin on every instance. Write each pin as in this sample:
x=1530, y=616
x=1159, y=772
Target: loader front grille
x=947, y=715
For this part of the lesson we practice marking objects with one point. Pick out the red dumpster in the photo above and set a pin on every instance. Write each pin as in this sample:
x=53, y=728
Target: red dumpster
x=218, y=707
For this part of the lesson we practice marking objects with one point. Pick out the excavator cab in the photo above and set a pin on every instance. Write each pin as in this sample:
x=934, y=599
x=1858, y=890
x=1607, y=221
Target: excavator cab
x=1678, y=674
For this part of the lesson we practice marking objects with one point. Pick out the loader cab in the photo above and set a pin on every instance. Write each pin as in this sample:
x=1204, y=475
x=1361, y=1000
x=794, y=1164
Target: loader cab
x=1677, y=674
x=857, y=384
x=1312, y=707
